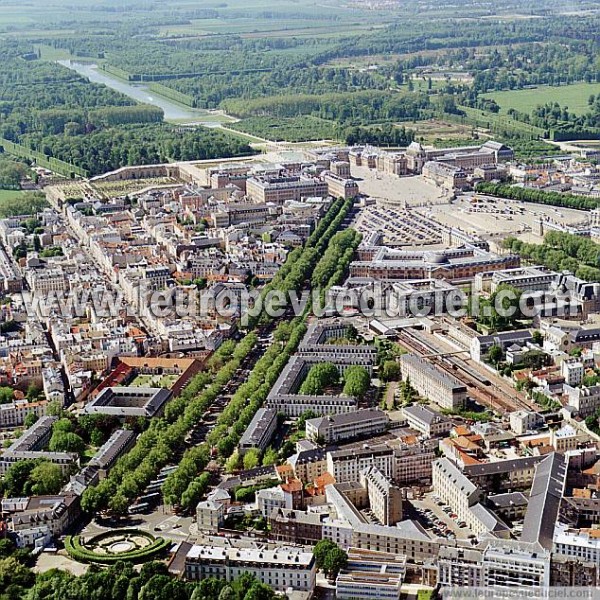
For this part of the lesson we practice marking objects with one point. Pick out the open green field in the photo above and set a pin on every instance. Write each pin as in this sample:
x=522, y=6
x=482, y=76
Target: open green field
x=10, y=194
x=574, y=96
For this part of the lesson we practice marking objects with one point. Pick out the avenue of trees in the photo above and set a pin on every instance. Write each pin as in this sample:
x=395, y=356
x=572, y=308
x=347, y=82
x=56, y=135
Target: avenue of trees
x=502, y=190
x=561, y=252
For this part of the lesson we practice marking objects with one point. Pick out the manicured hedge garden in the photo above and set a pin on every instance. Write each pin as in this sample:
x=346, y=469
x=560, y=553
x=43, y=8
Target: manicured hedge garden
x=83, y=552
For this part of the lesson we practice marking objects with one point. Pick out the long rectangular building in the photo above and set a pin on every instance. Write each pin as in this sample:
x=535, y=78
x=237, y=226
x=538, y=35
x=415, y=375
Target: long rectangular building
x=335, y=428
x=280, y=569
x=259, y=432
x=439, y=387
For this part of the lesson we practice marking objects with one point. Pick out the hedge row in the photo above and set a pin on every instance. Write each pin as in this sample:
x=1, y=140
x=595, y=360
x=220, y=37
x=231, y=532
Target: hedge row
x=80, y=553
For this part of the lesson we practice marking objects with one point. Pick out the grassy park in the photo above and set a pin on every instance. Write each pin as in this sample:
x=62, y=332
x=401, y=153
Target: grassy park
x=574, y=96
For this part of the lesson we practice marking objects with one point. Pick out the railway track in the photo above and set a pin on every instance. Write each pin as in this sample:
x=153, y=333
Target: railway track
x=481, y=388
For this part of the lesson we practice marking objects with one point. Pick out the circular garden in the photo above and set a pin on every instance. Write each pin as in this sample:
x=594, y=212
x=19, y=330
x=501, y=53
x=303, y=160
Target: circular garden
x=109, y=547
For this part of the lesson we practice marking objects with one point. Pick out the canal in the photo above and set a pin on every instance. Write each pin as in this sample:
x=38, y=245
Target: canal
x=141, y=93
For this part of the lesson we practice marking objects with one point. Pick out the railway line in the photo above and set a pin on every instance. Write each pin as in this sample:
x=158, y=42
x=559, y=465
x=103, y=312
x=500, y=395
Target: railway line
x=481, y=388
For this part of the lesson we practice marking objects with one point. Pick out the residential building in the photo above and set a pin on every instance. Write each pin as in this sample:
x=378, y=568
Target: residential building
x=336, y=428
x=347, y=464
x=460, y=567
x=425, y=420
x=455, y=488
x=371, y=575
x=572, y=370
x=280, y=569
x=522, y=421
x=300, y=527
x=270, y=499
x=259, y=432
x=511, y=566
x=584, y=400
x=385, y=499
x=580, y=544
x=439, y=387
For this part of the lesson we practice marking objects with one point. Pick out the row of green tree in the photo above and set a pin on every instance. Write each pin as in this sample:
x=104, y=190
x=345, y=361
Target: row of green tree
x=121, y=581
x=561, y=252
x=502, y=190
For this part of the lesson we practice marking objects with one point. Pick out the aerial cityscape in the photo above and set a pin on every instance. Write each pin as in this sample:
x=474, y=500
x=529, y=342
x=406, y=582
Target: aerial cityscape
x=299, y=300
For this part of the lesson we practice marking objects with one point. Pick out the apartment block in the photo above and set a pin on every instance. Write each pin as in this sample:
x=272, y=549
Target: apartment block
x=371, y=575
x=426, y=421
x=280, y=569
x=439, y=387
x=385, y=499
x=259, y=432
x=336, y=428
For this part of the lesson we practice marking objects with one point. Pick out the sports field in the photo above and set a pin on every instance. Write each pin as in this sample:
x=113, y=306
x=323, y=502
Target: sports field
x=574, y=96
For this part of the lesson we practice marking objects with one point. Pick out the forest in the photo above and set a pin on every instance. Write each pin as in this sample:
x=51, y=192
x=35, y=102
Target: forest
x=50, y=109
x=351, y=75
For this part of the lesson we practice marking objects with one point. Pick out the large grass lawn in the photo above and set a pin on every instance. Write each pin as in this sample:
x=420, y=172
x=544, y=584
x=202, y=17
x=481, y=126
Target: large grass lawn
x=574, y=96
x=10, y=194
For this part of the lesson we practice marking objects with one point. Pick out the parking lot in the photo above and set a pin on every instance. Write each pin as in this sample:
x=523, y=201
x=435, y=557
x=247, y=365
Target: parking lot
x=400, y=227
x=439, y=519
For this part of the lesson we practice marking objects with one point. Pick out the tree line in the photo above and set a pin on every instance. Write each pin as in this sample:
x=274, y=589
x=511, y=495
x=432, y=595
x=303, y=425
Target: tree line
x=523, y=194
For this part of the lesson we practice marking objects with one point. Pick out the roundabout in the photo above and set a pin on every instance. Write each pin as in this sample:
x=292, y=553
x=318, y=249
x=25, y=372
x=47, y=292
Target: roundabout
x=109, y=547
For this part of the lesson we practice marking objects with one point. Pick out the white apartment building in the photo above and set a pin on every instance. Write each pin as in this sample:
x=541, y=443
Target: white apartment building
x=572, y=371
x=585, y=400
x=581, y=544
x=210, y=515
x=13, y=413
x=439, y=387
x=522, y=421
x=371, y=575
x=515, y=566
x=460, y=567
x=454, y=488
x=280, y=569
x=347, y=465
x=426, y=421
x=270, y=499
x=564, y=439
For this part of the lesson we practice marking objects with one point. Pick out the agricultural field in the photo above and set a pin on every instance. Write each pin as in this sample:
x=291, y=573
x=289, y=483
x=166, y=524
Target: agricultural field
x=575, y=96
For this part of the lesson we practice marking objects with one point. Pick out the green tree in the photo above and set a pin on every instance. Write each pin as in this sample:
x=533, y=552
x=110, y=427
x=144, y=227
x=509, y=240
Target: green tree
x=356, y=381
x=335, y=561
x=46, y=478
x=17, y=478
x=6, y=394
x=251, y=458
x=496, y=354
x=34, y=391
x=233, y=462
x=318, y=378
x=260, y=591
x=66, y=442
x=30, y=419
x=390, y=371
x=270, y=457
